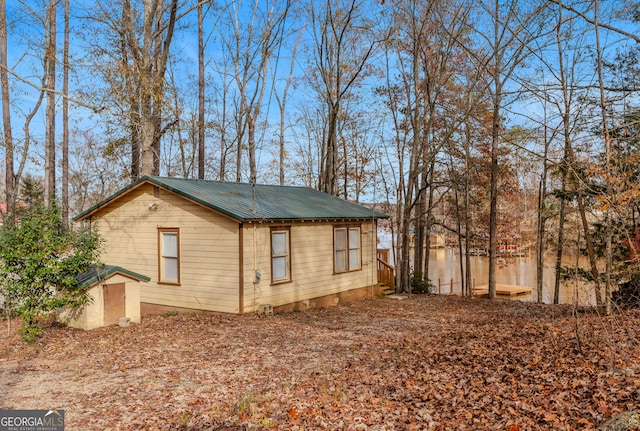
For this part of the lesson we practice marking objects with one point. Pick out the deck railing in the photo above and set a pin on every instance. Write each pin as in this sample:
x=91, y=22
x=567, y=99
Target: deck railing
x=386, y=274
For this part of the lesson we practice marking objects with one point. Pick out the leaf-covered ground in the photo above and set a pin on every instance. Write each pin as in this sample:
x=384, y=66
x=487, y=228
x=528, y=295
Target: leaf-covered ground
x=425, y=363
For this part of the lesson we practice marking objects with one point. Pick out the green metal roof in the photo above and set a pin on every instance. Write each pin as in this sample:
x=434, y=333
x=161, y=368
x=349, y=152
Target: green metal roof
x=100, y=272
x=245, y=202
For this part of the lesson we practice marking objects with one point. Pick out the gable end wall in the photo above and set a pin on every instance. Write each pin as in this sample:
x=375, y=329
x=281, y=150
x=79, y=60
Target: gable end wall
x=209, y=248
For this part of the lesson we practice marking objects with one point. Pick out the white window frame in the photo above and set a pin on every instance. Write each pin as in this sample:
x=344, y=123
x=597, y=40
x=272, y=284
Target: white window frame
x=279, y=255
x=165, y=256
x=347, y=251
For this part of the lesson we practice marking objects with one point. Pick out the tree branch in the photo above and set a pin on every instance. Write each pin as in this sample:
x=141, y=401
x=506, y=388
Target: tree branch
x=95, y=109
x=593, y=22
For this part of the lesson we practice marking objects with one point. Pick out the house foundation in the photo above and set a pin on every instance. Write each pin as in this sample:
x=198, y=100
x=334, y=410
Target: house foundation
x=367, y=292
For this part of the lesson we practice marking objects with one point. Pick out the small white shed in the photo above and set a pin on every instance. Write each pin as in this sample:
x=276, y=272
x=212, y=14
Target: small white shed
x=115, y=293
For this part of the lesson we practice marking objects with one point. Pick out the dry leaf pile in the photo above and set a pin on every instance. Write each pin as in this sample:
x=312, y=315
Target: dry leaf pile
x=426, y=363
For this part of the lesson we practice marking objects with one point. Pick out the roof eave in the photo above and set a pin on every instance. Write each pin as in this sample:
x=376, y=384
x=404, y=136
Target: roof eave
x=95, y=208
x=317, y=219
x=110, y=272
x=234, y=216
x=150, y=180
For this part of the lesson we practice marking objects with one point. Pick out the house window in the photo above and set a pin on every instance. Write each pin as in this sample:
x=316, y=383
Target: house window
x=280, y=256
x=169, y=255
x=346, y=249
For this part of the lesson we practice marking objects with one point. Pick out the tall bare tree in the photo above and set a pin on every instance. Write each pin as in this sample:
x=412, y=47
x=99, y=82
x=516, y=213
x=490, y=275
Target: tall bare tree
x=65, y=115
x=19, y=149
x=511, y=29
x=424, y=53
x=50, y=87
x=255, y=34
x=151, y=55
x=608, y=184
x=201, y=91
x=10, y=179
x=281, y=99
x=138, y=39
x=344, y=41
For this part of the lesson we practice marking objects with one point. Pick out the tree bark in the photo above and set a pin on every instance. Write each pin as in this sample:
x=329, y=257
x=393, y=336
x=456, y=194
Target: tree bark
x=50, y=133
x=609, y=189
x=493, y=211
x=561, y=221
x=542, y=216
x=65, y=117
x=282, y=104
x=10, y=180
x=339, y=70
x=150, y=60
x=201, y=87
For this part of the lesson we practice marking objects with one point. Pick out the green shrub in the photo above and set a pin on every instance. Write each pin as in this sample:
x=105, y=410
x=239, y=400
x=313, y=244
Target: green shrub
x=39, y=261
x=420, y=283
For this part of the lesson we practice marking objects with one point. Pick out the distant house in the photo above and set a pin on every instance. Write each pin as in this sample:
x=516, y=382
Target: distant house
x=238, y=248
x=3, y=210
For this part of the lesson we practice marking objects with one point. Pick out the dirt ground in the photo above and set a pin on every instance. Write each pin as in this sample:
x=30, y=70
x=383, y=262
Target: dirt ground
x=425, y=363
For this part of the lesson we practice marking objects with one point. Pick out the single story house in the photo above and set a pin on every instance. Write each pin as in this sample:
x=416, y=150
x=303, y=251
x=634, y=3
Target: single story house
x=238, y=248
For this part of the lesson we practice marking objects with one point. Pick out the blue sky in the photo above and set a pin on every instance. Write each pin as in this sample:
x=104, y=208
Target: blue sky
x=26, y=33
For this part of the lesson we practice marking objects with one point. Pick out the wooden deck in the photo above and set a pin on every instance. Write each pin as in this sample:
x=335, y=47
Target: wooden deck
x=502, y=290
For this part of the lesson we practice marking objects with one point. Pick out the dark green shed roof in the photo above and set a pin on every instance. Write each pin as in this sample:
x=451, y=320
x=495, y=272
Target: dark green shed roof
x=100, y=272
x=246, y=202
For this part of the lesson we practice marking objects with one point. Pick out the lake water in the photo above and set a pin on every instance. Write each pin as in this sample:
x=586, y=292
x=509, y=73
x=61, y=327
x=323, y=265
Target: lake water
x=444, y=265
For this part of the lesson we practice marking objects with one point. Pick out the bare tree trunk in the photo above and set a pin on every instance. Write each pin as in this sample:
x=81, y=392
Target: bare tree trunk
x=150, y=59
x=495, y=142
x=65, y=117
x=224, y=147
x=328, y=176
x=240, y=124
x=467, y=216
x=201, y=84
x=429, y=217
x=542, y=218
x=157, y=88
x=134, y=131
x=404, y=286
x=493, y=214
x=463, y=279
x=251, y=50
x=609, y=190
x=10, y=180
x=345, y=165
x=50, y=134
x=570, y=170
x=132, y=89
x=419, y=240
x=282, y=104
x=591, y=252
x=513, y=32
x=342, y=54
x=566, y=163
x=142, y=58
x=251, y=149
x=281, y=139
x=561, y=221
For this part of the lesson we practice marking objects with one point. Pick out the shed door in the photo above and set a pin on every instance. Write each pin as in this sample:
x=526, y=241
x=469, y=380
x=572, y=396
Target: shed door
x=114, y=299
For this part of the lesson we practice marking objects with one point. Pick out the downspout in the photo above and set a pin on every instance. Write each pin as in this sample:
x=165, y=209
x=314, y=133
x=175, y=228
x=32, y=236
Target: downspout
x=256, y=271
x=241, y=266
x=374, y=255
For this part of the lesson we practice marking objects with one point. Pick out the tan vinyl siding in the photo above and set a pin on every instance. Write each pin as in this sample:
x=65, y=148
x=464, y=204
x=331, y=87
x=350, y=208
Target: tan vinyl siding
x=209, y=264
x=312, y=272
